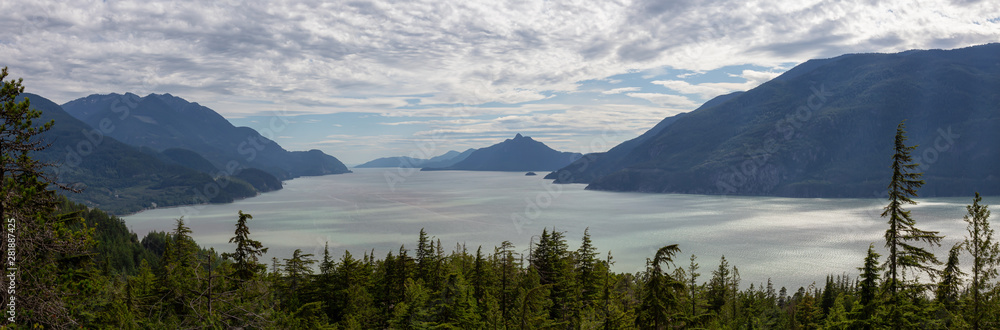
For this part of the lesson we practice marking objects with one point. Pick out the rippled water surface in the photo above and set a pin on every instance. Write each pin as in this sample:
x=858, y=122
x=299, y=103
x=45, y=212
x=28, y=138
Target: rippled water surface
x=793, y=241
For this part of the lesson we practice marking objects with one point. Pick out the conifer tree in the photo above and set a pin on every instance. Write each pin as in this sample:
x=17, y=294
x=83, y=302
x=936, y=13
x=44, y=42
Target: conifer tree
x=297, y=269
x=718, y=286
x=948, y=288
x=659, y=301
x=586, y=267
x=902, y=232
x=985, y=256
x=869, y=288
x=248, y=251
x=426, y=260
x=508, y=277
x=552, y=260
x=52, y=250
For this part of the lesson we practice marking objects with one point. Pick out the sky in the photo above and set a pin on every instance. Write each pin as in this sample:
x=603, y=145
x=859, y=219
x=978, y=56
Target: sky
x=367, y=79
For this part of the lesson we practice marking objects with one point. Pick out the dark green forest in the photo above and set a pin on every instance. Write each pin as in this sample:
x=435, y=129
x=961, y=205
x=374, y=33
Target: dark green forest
x=78, y=267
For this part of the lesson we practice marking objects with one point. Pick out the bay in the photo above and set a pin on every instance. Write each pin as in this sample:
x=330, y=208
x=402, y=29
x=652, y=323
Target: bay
x=793, y=241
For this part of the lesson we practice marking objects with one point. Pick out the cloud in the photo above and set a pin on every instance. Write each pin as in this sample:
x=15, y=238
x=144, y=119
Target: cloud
x=452, y=58
x=621, y=90
x=666, y=100
x=709, y=90
x=308, y=54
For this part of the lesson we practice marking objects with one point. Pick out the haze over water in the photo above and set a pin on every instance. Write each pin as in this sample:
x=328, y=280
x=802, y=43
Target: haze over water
x=793, y=241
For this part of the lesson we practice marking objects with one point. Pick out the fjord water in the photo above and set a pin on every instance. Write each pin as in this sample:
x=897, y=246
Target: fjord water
x=793, y=241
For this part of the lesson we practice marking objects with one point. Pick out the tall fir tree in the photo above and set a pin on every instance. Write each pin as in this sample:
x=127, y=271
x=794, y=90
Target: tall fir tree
x=868, y=289
x=248, y=251
x=718, y=286
x=985, y=257
x=948, y=289
x=587, y=268
x=903, y=232
x=660, y=301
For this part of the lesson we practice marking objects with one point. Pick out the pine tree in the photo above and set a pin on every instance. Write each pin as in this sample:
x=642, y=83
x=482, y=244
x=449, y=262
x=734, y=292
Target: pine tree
x=248, y=251
x=985, y=256
x=902, y=228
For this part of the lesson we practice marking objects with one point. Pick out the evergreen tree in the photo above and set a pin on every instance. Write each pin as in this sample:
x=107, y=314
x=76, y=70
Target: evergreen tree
x=426, y=259
x=659, y=301
x=951, y=280
x=297, y=269
x=53, y=268
x=830, y=295
x=586, y=267
x=692, y=287
x=507, y=262
x=869, y=288
x=902, y=228
x=718, y=286
x=248, y=251
x=985, y=256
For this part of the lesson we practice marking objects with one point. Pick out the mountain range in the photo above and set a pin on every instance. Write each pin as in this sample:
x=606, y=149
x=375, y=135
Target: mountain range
x=120, y=178
x=447, y=159
x=160, y=150
x=824, y=129
x=518, y=154
x=163, y=121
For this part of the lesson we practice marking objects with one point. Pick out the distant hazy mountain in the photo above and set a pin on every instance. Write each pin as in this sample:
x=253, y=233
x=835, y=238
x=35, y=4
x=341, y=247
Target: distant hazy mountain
x=164, y=121
x=447, y=159
x=825, y=129
x=406, y=162
x=517, y=154
x=117, y=177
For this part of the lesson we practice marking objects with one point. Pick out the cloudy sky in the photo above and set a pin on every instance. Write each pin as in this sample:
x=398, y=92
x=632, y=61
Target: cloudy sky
x=366, y=79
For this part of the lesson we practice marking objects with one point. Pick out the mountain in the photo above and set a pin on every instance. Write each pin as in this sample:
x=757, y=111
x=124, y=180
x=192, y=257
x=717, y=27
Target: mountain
x=184, y=157
x=594, y=165
x=825, y=129
x=163, y=121
x=117, y=177
x=260, y=180
x=403, y=161
x=518, y=154
x=447, y=159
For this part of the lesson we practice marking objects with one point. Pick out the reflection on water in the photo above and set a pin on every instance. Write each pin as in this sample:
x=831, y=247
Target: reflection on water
x=792, y=241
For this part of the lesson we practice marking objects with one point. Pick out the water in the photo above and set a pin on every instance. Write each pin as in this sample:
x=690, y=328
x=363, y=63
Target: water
x=793, y=241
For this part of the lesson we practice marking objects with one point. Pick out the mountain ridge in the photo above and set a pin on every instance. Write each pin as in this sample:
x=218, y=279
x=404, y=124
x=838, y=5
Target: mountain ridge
x=519, y=154
x=163, y=121
x=824, y=129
